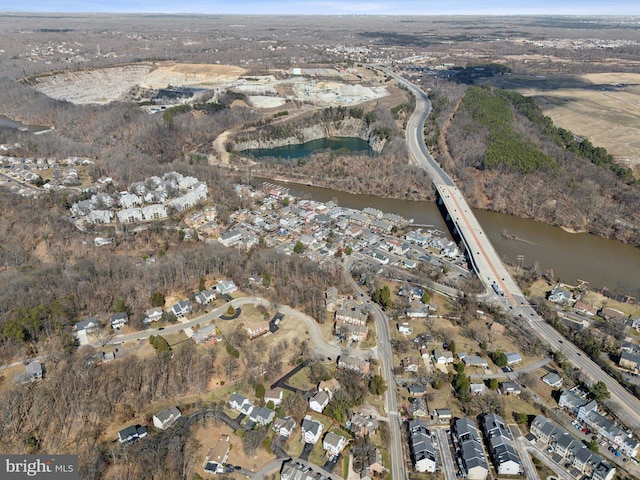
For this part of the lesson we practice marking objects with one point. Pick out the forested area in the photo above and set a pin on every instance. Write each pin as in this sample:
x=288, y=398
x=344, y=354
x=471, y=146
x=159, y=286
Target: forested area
x=509, y=158
x=78, y=402
x=41, y=300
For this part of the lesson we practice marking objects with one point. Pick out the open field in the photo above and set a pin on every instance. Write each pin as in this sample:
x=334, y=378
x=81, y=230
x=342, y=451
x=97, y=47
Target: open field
x=603, y=107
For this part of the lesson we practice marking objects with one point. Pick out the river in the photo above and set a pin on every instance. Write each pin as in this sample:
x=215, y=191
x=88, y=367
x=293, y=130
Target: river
x=572, y=256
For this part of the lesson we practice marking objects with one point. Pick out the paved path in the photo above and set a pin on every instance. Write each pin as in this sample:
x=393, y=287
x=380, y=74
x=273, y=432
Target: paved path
x=529, y=469
x=446, y=458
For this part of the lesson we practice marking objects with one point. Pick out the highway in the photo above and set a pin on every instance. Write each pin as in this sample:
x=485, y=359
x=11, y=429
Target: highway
x=384, y=352
x=489, y=267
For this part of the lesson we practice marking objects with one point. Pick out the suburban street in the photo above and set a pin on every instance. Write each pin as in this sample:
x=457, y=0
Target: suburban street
x=384, y=351
x=519, y=442
x=492, y=271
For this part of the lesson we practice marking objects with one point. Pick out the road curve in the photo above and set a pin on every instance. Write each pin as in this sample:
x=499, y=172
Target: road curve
x=489, y=265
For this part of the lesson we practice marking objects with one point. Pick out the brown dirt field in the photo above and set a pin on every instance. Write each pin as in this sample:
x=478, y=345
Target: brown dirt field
x=603, y=107
x=209, y=435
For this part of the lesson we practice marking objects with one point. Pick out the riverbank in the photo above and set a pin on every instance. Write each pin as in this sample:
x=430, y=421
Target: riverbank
x=602, y=262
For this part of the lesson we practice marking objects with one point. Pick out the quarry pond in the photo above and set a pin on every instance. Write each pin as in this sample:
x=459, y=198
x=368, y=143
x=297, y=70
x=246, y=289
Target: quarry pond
x=354, y=146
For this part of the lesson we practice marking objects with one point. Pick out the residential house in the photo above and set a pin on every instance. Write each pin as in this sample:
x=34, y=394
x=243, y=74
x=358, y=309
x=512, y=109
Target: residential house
x=274, y=396
x=153, y=315
x=423, y=453
x=217, y=457
x=417, y=312
x=611, y=314
x=584, y=308
x=443, y=357
x=630, y=361
x=566, y=446
x=500, y=445
x=472, y=458
x=108, y=357
x=475, y=361
x=372, y=464
x=240, y=403
x=362, y=425
x=405, y=328
x=510, y=388
x=571, y=401
x=206, y=335
x=513, y=358
x=319, y=401
x=497, y=328
x=333, y=443
x=131, y=434
x=381, y=257
x=225, y=287
x=311, y=430
x=331, y=299
x=354, y=364
x=418, y=408
x=330, y=386
x=560, y=295
x=284, y=426
x=255, y=330
x=117, y=320
x=182, y=308
x=477, y=388
x=417, y=390
x=167, y=417
x=296, y=471
x=88, y=325
x=205, y=296
x=544, y=429
x=262, y=415
x=443, y=415
x=424, y=352
x=552, y=379
x=34, y=371
x=231, y=238
x=274, y=323
x=410, y=364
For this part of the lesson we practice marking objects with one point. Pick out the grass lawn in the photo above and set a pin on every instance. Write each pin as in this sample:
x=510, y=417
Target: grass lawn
x=301, y=380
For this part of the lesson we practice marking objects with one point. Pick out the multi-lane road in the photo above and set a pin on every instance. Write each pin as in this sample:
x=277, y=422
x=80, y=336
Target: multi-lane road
x=489, y=266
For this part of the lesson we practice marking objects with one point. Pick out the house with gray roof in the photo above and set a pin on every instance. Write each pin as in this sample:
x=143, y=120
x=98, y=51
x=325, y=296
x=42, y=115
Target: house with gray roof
x=284, y=426
x=475, y=361
x=131, y=434
x=240, y=403
x=333, y=443
x=89, y=324
x=311, y=430
x=296, y=471
x=167, y=417
x=552, y=379
x=182, y=308
x=262, y=415
x=513, y=358
x=470, y=450
x=500, y=445
x=34, y=371
x=423, y=453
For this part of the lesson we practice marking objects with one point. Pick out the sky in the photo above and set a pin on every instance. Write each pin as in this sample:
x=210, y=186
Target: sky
x=334, y=7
